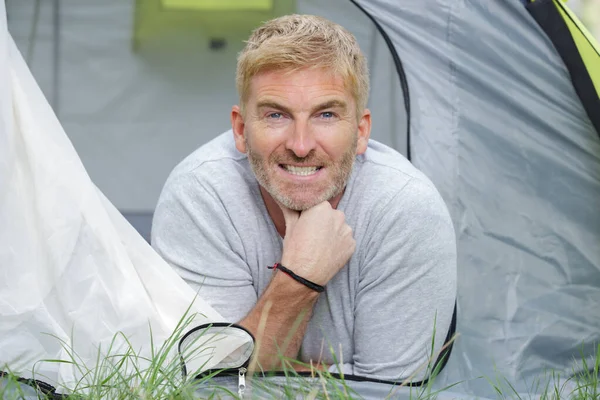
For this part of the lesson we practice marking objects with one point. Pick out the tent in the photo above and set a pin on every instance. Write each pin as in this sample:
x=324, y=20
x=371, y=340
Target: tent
x=78, y=281
x=497, y=102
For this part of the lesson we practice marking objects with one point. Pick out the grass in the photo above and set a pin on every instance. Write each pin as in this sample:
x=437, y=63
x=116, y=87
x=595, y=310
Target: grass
x=121, y=372
x=581, y=384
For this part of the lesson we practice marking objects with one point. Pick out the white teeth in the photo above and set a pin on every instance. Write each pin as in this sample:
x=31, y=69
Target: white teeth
x=304, y=171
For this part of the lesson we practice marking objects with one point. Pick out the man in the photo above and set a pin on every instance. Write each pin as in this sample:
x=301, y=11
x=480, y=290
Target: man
x=297, y=182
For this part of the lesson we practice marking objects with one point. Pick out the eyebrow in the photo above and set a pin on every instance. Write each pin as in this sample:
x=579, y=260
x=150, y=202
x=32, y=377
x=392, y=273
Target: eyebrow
x=272, y=104
x=328, y=104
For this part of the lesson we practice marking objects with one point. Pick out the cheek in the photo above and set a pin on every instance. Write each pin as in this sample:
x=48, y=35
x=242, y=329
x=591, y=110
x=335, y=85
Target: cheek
x=267, y=136
x=262, y=145
x=338, y=142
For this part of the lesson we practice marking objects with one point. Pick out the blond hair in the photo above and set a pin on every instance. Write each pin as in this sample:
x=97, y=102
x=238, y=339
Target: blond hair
x=295, y=41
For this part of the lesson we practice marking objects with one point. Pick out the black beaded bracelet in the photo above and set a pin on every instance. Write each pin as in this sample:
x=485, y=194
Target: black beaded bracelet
x=298, y=278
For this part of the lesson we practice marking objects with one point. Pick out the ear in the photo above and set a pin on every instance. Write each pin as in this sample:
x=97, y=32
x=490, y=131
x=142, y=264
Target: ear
x=364, y=132
x=238, y=126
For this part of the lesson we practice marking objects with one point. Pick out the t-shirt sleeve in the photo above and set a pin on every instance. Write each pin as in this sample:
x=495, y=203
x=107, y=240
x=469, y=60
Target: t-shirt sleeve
x=407, y=285
x=192, y=231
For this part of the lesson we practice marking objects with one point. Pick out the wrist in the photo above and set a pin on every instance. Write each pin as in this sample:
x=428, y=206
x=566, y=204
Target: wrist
x=298, y=278
x=302, y=266
x=291, y=290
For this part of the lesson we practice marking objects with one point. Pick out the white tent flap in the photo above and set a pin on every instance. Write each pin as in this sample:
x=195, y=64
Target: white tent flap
x=74, y=272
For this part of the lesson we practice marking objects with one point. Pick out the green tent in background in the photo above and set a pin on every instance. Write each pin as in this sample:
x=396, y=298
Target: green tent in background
x=578, y=49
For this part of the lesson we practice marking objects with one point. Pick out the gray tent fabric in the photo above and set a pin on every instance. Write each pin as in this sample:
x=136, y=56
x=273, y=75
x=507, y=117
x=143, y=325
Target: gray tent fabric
x=499, y=129
x=497, y=126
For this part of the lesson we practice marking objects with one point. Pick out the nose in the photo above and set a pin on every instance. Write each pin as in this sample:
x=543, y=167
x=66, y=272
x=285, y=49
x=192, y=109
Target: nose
x=301, y=140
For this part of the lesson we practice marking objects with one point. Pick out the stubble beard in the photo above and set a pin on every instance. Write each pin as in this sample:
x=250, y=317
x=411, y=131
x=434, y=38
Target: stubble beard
x=340, y=173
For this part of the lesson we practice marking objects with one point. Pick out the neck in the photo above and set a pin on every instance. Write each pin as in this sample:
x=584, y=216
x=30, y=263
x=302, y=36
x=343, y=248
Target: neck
x=277, y=215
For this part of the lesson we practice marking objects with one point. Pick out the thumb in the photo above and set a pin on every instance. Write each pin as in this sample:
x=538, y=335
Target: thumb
x=290, y=216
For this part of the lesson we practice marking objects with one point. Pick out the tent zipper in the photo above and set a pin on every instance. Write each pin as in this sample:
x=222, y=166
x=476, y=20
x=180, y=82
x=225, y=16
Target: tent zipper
x=241, y=381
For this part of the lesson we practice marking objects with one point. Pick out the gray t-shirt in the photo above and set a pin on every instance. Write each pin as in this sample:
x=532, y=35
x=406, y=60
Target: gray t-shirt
x=212, y=226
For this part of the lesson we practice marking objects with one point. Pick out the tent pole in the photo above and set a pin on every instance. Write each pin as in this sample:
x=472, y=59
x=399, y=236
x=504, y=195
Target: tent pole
x=56, y=55
x=399, y=70
x=33, y=32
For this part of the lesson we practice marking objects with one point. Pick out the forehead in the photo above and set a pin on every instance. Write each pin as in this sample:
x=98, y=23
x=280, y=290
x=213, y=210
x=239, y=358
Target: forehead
x=302, y=84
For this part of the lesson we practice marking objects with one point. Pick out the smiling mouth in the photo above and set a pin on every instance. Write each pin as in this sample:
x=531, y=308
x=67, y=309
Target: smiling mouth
x=301, y=171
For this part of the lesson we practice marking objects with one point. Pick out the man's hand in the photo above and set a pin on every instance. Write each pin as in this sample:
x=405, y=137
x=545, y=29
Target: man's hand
x=317, y=243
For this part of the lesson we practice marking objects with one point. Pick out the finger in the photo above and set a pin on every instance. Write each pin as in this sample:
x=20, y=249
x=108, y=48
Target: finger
x=290, y=216
x=348, y=231
x=339, y=218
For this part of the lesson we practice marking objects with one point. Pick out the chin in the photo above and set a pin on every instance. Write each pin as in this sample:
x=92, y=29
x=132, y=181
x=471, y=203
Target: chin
x=297, y=205
x=304, y=207
x=300, y=204
x=301, y=200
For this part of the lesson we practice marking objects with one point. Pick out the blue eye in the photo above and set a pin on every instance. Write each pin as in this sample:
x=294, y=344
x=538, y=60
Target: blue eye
x=274, y=115
x=327, y=114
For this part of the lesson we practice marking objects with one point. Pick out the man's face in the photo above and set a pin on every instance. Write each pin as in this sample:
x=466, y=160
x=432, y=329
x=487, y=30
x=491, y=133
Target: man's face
x=301, y=133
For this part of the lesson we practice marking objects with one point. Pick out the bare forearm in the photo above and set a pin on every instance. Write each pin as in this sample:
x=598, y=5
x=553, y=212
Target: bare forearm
x=317, y=244
x=279, y=320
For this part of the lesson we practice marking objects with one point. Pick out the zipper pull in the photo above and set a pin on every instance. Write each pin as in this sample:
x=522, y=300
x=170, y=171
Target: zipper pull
x=241, y=382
